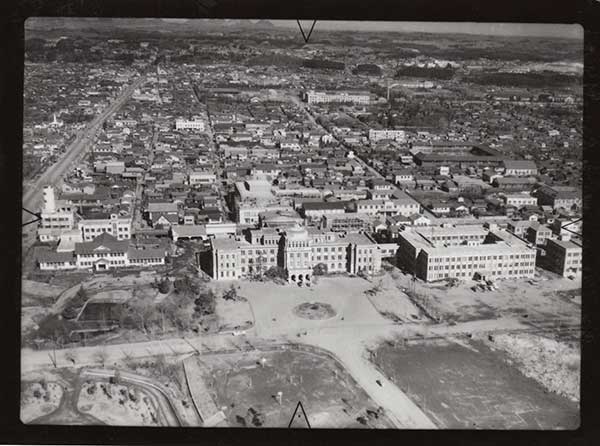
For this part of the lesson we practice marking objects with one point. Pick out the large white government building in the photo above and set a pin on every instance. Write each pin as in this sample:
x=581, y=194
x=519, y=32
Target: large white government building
x=326, y=97
x=437, y=253
x=297, y=250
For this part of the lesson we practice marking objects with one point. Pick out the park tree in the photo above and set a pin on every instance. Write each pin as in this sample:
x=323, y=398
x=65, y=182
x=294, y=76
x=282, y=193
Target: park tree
x=185, y=286
x=205, y=303
x=140, y=312
x=164, y=286
x=276, y=272
x=231, y=293
x=320, y=269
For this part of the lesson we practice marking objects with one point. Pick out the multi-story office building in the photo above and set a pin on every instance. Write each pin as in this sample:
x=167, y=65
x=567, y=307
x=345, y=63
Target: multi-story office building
x=254, y=197
x=348, y=222
x=201, y=177
x=538, y=234
x=319, y=209
x=518, y=200
x=186, y=124
x=378, y=135
x=463, y=252
x=400, y=206
x=58, y=217
x=563, y=257
x=559, y=197
x=94, y=224
x=297, y=250
x=326, y=97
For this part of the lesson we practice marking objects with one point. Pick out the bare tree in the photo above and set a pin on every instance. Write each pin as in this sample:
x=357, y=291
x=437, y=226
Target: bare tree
x=101, y=356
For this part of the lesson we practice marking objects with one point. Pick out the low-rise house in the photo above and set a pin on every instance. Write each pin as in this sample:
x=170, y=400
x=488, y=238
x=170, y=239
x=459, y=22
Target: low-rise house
x=104, y=252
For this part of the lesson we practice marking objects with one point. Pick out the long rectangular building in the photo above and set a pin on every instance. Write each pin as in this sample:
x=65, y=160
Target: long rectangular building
x=297, y=250
x=464, y=251
x=325, y=97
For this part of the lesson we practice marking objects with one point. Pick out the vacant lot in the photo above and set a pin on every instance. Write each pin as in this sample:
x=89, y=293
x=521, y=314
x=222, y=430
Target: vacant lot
x=234, y=314
x=471, y=387
x=546, y=299
x=554, y=364
x=247, y=392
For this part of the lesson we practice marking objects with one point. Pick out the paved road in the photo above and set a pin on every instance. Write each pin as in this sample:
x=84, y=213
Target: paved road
x=166, y=406
x=303, y=107
x=33, y=195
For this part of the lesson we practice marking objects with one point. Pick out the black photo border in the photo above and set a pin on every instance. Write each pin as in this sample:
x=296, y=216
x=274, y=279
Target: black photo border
x=15, y=12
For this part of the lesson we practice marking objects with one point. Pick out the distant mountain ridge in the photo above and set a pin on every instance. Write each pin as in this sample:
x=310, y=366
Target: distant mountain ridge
x=67, y=23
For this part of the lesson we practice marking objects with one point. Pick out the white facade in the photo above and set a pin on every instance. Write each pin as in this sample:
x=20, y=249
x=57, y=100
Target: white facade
x=119, y=227
x=520, y=200
x=396, y=135
x=202, y=178
x=388, y=207
x=56, y=217
x=322, y=97
x=193, y=124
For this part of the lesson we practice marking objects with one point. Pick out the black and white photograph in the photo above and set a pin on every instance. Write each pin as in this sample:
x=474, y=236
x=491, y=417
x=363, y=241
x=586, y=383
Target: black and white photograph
x=259, y=223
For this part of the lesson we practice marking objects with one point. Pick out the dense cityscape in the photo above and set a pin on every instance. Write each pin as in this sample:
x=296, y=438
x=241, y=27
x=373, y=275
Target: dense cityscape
x=384, y=226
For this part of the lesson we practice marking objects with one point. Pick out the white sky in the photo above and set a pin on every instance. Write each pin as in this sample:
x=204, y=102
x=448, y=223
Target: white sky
x=496, y=29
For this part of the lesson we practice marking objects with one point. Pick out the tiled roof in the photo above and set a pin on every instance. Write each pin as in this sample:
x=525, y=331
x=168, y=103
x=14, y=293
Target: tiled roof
x=149, y=253
x=103, y=243
x=54, y=257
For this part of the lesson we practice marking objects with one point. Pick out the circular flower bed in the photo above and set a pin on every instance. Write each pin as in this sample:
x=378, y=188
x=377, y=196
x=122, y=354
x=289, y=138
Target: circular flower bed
x=314, y=311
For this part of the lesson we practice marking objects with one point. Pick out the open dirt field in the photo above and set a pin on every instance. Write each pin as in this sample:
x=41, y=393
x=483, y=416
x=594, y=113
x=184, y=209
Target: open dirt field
x=234, y=315
x=554, y=364
x=545, y=299
x=471, y=387
x=247, y=392
x=391, y=302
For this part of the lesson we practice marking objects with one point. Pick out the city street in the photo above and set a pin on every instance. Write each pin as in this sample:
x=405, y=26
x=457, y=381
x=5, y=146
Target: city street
x=32, y=196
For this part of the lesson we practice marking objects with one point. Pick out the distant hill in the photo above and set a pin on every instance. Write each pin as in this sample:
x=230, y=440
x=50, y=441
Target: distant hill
x=367, y=69
x=264, y=24
x=278, y=60
x=323, y=64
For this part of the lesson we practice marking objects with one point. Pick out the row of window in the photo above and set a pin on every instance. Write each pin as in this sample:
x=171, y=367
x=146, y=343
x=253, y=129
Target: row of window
x=458, y=237
x=56, y=226
x=147, y=261
x=512, y=273
x=490, y=257
x=101, y=255
x=476, y=266
x=250, y=252
x=121, y=229
x=264, y=259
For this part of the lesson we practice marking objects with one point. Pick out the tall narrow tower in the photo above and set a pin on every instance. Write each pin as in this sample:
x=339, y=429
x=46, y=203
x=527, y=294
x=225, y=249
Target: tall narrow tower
x=49, y=199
